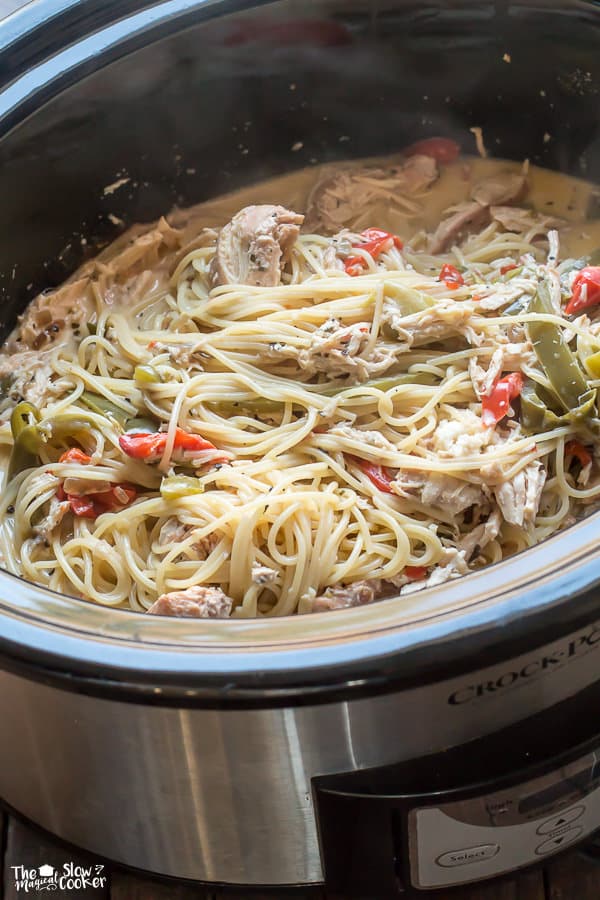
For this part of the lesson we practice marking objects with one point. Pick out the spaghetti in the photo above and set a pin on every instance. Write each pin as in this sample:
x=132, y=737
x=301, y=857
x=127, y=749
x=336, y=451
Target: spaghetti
x=382, y=418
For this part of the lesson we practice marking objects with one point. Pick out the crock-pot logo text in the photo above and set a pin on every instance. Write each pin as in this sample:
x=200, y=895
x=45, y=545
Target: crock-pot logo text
x=553, y=659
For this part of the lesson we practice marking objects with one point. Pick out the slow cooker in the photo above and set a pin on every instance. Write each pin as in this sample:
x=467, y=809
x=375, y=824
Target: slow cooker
x=421, y=742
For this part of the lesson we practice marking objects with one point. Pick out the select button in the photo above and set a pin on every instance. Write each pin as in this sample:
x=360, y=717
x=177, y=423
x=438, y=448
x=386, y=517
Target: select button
x=468, y=855
x=560, y=820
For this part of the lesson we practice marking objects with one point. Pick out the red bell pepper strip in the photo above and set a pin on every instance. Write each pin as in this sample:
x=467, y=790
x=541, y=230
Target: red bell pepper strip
x=415, y=573
x=579, y=452
x=496, y=405
x=379, y=475
x=75, y=455
x=92, y=505
x=451, y=277
x=374, y=242
x=82, y=506
x=509, y=268
x=150, y=447
x=443, y=150
x=586, y=290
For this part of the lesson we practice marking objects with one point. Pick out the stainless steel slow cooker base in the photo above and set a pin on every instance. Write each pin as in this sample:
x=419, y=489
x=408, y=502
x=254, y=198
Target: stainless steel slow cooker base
x=227, y=795
x=218, y=753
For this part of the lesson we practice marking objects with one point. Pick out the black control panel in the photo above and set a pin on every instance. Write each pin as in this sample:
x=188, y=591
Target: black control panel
x=471, y=813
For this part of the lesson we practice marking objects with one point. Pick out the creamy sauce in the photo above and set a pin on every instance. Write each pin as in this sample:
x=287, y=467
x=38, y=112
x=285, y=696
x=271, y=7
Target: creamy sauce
x=550, y=193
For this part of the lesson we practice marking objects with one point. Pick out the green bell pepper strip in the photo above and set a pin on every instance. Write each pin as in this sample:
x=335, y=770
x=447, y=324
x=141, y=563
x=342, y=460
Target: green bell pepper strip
x=592, y=364
x=536, y=415
x=557, y=359
x=30, y=434
x=176, y=486
x=147, y=375
x=262, y=405
x=141, y=424
x=25, y=440
x=104, y=407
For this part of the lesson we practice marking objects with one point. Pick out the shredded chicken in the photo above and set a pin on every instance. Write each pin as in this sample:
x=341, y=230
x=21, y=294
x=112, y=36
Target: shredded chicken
x=337, y=350
x=501, y=189
x=175, y=532
x=138, y=250
x=452, y=564
x=253, y=248
x=46, y=318
x=27, y=376
x=337, y=201
x=443, y=492
x=357, y=594
x=446, y=318
x=480, y=536
x=370, y=438
x=196, y=602
x=56, y=513
x=496, y=190
x=519, y=498
x=513, y=218
x=463, y=435
x=505, y=358
x=172, y=532
x=465, y=218
x=263, y=574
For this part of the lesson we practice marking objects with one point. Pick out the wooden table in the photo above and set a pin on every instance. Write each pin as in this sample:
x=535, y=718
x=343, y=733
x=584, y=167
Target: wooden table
x=569, y=877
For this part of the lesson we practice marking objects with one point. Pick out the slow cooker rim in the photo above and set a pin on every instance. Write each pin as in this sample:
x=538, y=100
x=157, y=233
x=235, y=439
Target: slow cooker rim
x=50, y=651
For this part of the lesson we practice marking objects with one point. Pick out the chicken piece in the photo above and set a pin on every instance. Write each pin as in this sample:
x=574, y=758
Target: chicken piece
x=443, y=492
x=513, y=218
x=263, y=574
x=419, y=173
x=500, y=295
x=337, y=201
x=505, y=358
x=254, y=246
x=331, y=260
x=139, y=249
x=465, y=218
x=172, y=532
x=439, y=322
x=480, y=536
x=483, y=380
x=337, y=350
x=452, y=564
x=56, y=513
x=462, y=435
x=357, y=594
x=497, y=190
x=519, y=498
x=26, y=376
x=46, y=317
x=501, y=189
x=370, y=438
x=175, y=532
x=205, y=545
x=197, y=602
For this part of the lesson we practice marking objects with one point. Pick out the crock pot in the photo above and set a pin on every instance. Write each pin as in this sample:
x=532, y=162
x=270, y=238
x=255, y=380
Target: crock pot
x=424, y=741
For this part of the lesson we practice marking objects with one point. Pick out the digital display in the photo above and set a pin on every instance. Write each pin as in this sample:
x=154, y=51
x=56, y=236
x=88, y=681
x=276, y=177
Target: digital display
x=577, y=785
